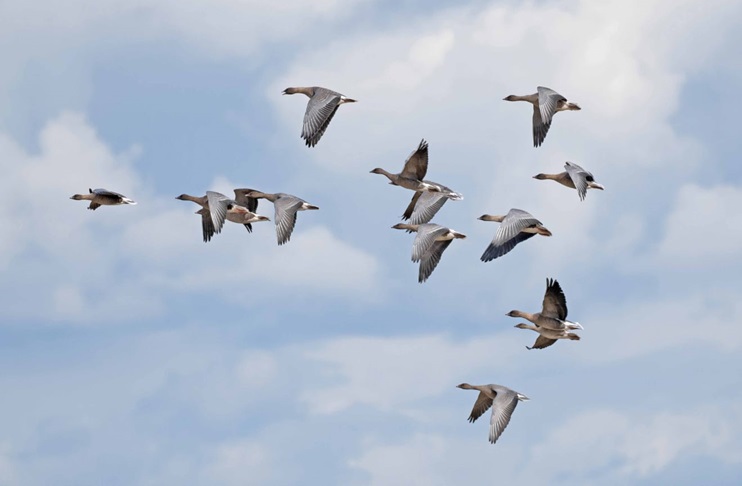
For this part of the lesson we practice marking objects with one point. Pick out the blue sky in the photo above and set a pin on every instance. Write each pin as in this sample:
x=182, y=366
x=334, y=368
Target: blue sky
x=132, y=353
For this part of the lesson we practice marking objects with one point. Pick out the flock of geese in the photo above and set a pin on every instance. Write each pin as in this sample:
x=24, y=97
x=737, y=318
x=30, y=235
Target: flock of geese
x=431, y=239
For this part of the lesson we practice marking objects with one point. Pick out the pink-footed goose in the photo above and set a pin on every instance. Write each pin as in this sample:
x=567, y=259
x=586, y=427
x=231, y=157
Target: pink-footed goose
x=546, y=103
x=102, y=197
x=516, y=226
x=503, y=401
x=322, y=105
x=430, y=243
x=574, y=177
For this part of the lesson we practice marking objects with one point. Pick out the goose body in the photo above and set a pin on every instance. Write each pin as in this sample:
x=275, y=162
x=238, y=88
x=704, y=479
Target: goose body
x=516, y=226
x=574, y=177
x=430, y=243
x=546, y=103
x=501, y=399
x=322, y=105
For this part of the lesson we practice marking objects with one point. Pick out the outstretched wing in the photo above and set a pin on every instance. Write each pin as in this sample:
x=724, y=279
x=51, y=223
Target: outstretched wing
x=502, y=409
x=579, y=177
x=431, y=259
x=424, y=206
x=510, y=233
x=426, y=236
x=482, y=404
x=555, y=302
x=320, y=110
x=542, y=342
x=416, y=165
x=285, y=215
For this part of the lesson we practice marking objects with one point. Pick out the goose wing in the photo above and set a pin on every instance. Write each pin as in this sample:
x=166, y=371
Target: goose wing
x=207, y=225
x=431, y=258
x=542, y=342
x=503, y=407
x=548, y=102
x=579, y=177
x=496, y=251
x=509, y=234
x=540, y=129
x=416, y=165
x=482, y=404
x=555, y=302
x=426, y=236
x=106, y=194
x=285, y=215
x=320, y=109
x=424, y=206
x=218, y=204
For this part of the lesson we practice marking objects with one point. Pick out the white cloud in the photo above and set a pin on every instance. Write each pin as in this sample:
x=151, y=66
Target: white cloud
x=704, y=228
x=391, y=372
x=637, y=445
x=239, y=463
x=608, y=57
x=601, y=446
x=71, y=257
x=406, y=463
x=222, y=27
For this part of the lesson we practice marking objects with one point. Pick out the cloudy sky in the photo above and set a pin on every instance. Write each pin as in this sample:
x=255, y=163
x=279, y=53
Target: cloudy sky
x=131, y=353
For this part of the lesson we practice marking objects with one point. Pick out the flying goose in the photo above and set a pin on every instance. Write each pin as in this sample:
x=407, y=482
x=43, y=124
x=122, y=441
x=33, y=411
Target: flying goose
x=546, y=103
x=286, y=207
x=430, y=243
x=517, y=226
x=322, y=105
x=502, y=400
x=574, y=177
x=413, y=175
x=553, y=315
x=102, y=197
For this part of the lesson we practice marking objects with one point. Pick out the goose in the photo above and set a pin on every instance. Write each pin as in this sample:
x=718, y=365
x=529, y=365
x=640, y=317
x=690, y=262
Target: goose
x=553, y=315
x=413, y=175
x=322, y=105
x=286, y=207
x=546, y=103
x=503, y=401
x=430, y=243
x=517, y=226
x=102, y=197
x=574, y=177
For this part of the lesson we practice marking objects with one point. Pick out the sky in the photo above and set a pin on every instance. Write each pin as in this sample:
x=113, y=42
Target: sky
x=131, y=353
